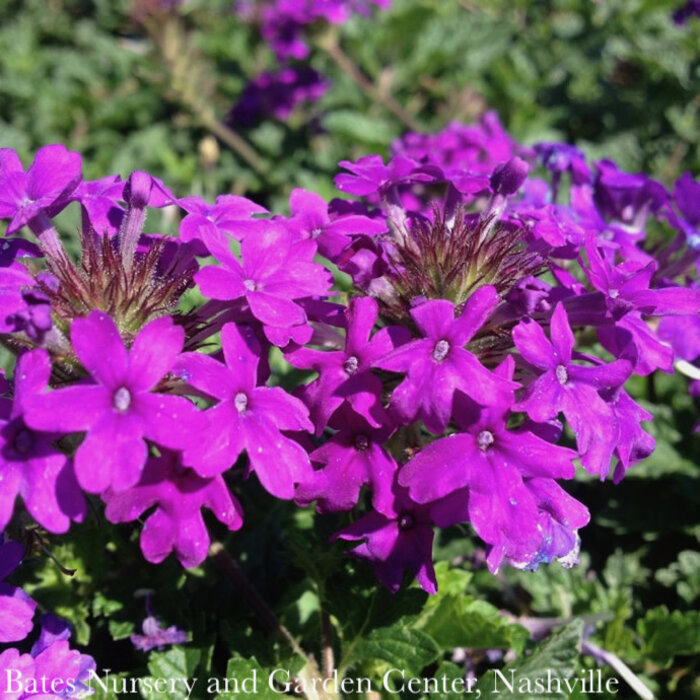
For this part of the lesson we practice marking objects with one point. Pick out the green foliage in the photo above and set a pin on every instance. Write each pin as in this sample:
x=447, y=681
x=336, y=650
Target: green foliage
x=667, y=634
x=557, y=656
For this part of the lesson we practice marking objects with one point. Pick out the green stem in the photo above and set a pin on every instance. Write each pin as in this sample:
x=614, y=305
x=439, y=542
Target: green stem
x=310, y=676
x=329, y=43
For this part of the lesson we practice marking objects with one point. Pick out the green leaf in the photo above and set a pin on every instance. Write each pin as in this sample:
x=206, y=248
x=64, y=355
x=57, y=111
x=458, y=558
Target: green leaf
x=176, y=665
x=400, y=646
x=244, y=678
x=685, y=574
x=667, y=635
x=556, y=657
x=462, y=621
x=455, y=619
x=359, y=127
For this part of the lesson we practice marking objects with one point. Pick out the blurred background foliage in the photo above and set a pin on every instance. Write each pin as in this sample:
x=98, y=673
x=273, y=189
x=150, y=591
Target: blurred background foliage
x=131, y=85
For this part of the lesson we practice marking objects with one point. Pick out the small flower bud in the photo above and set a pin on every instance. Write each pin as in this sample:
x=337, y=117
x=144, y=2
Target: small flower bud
x=137, y=190
x=507, y=177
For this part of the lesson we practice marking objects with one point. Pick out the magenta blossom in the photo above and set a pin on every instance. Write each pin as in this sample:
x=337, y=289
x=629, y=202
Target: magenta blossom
x=490, y=465
x=355, y=456
x=400, y=537
x=274, y=274
x=346, y=374
x=51, y=671
x=231, y=215
x=156, y=637
x=571, y=388
x=179, y=495
x=311, y=219
x=30, y=465
x=16, y=607
x=43, y=188
x=247, y=417
x=118, y=408
x=438, y=365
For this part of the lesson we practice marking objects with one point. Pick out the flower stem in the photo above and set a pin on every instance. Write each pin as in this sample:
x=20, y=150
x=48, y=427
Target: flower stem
x=310, y=677
x=327, y=644
x=186, y=74
x=329, y=43
x=232, y=139
x=47, y=237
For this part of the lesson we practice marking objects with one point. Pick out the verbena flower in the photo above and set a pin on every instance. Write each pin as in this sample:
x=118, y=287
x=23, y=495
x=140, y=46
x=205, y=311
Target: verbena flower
x=30, y=464
x=26, y=198
x=437, y=365
x=442, y=378
x=16, y=607
x=273, y=274
x=246, y=417
x=118, y=408
x=179, y=494
x=277, y=94
x=52, y=670
x=156, y=637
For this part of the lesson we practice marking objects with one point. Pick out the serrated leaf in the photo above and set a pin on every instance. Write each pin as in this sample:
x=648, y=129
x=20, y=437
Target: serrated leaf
x=556, y=657
x=244, y=677
x=402, y=647
x=462, y=621
x=177, y=665
x=667, y=635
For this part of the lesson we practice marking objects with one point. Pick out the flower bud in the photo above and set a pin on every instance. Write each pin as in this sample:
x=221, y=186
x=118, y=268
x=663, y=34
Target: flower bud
x=507, y=177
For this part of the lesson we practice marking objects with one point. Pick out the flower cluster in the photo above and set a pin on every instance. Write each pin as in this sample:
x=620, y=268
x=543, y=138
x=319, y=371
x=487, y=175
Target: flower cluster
x=51, y=670
x=283, y=24
x=277, y=93
x=686, y=11
x=455, y=383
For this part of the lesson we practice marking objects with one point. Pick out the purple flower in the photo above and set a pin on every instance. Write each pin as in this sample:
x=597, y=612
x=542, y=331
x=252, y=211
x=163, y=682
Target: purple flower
x=437, y=366
x=274, y=273
x=354, y=457
x=118, y=408
x=15, y=283
x=345, y=374
x=29, y=463
x=559, y=158
x=560, y=517
x=370, y=175
x=627, y=287
x=570, y=388
x=686, y=195
x=52, y=671
x=400, y=537
x=633, y=444
x=507, y=178
x=277, y=94
x=626, y=198
x=44, y=187
x=685, y=12
x=99, y=202
x=156, y=637
x=460, y=149
x=176, y=524
x=231, y=215
x=16, y=607
x=682, y=333
x=311, y=220
x=283, y=21
x=247, y=417
x=52, y=629
x=489, y=466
